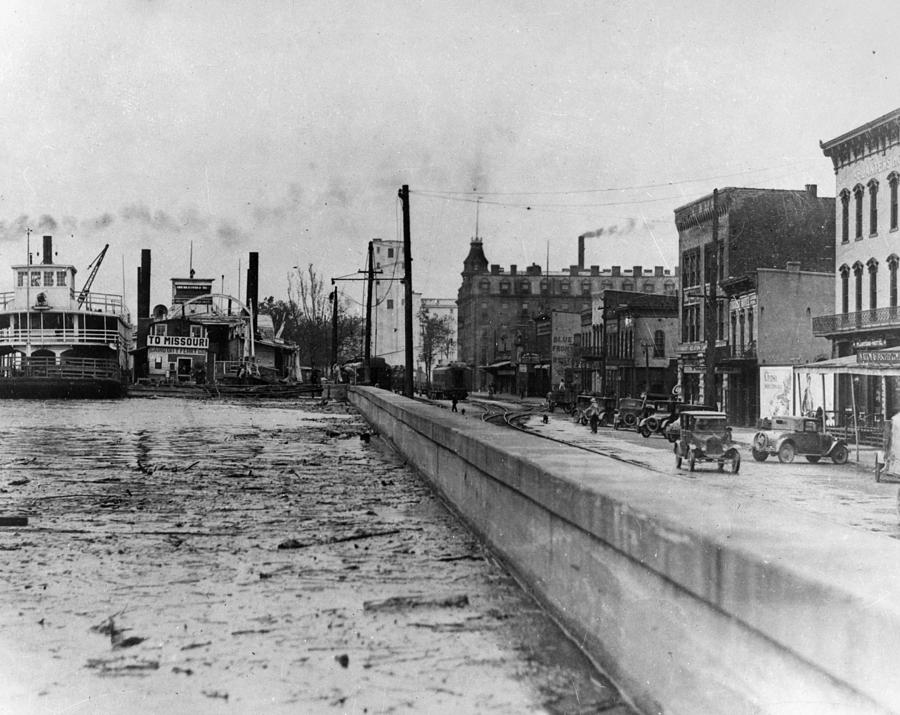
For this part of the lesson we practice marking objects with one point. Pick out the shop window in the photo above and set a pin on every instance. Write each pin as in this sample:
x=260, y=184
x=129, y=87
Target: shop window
x=845, y=216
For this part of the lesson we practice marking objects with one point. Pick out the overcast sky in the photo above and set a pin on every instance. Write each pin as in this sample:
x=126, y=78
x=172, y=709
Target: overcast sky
x=288, y=127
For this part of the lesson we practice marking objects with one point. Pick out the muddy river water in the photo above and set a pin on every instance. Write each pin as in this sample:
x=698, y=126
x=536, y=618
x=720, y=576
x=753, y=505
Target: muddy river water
x=188, y=556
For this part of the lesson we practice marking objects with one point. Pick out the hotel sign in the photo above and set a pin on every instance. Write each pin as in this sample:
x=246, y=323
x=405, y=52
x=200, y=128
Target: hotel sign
x=177, y=341
x=879, y=357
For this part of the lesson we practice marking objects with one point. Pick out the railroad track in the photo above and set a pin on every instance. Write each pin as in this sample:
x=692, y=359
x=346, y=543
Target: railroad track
x=516, y=416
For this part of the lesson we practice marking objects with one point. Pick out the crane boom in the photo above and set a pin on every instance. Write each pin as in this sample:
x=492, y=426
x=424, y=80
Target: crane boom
x=90, y=279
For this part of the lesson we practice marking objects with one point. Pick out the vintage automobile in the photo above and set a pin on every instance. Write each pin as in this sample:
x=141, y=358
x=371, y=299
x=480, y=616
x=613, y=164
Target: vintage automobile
x=806, y=436
x=629, y=412
x=672, y=427
x=704, y=436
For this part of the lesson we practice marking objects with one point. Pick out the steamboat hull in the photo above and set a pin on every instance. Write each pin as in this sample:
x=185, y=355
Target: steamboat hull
x=35, y=388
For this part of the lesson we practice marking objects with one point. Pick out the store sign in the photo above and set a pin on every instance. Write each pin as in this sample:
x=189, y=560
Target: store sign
x=879, y=357
x=177, y=341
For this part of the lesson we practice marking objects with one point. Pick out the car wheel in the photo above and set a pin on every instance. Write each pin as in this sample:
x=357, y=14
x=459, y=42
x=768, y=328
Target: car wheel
x=786, y=453
x=653, y=425
x=630, y=420
x=692, y=462
x=645, y=431
x=736, y=462
x=840, y=455
x=760, y=455
x=812, y=458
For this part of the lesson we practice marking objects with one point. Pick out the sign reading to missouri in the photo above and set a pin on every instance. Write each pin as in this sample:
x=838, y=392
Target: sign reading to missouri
x=176, y=341
x=878, y=356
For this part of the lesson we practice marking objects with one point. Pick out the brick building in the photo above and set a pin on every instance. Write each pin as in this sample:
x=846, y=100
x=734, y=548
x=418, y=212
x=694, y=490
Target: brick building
x=499, y=311
x=757, y=228
x=866, y=242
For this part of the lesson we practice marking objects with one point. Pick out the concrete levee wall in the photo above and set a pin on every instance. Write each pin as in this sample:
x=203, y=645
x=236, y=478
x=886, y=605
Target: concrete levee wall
x=692, y=601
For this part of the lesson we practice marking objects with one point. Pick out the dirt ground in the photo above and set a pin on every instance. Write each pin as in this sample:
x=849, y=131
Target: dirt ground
x=231, y=557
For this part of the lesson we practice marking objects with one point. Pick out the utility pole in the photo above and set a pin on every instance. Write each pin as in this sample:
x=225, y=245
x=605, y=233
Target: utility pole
x=407, y=284
x=712, y=309
x=646, y=347
x=334, y=327
x=369, y=284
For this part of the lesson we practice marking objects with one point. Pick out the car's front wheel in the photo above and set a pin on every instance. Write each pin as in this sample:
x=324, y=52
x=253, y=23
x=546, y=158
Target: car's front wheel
x=787, y=453
x=760, y=455
x=840, y=454
x=645, y=431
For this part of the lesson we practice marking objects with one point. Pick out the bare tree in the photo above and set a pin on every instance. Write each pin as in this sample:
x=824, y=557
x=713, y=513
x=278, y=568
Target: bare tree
x=436, y=337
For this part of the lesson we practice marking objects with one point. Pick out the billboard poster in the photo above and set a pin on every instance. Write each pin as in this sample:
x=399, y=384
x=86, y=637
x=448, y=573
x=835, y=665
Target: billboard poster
x=775, y=391
x=564, y=328
x=813, y=392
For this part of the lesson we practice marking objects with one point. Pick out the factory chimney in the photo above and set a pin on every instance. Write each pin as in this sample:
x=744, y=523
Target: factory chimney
x=581, y=252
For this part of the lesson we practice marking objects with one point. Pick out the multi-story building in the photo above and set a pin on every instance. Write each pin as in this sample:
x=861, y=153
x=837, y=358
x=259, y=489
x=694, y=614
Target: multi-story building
x=498, y=310
x=866, y=242
x=769, y=315
x=388, y=303
x=640, y=340
x=755, y=228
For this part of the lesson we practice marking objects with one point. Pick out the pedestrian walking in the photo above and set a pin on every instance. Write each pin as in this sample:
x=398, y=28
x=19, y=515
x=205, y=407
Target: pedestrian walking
x=453, y=405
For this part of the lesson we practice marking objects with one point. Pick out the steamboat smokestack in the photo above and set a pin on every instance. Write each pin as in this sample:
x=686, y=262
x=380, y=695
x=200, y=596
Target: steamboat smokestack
x=47, y=255
x=253, y=286
x=144, y=285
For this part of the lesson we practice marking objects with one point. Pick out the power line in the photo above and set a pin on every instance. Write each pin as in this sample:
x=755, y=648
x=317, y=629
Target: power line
x=569, y=192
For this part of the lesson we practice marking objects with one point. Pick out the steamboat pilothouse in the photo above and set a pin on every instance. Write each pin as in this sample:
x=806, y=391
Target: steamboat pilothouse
x=56, y=342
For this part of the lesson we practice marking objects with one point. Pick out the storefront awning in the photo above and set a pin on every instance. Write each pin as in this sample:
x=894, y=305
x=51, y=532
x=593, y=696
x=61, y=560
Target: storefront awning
x=868, y=362
x=502, y=365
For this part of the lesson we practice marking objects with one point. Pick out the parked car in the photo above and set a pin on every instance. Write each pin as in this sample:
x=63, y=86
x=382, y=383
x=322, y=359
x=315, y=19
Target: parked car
x=628, y=413
x=706, y=437
x=790, y=436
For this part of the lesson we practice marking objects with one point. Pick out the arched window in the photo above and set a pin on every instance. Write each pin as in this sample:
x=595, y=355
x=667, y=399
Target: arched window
x=872, y=265
x=893, y=179
x=873, y=207
x=627, y=286
x=892, y=262
x=858, y=274
x=845, y=288
x=845, y=216
x=659, y=344
x=858, y=192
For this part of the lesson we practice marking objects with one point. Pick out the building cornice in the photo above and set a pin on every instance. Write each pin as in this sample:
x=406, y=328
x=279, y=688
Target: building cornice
x=875, y=136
